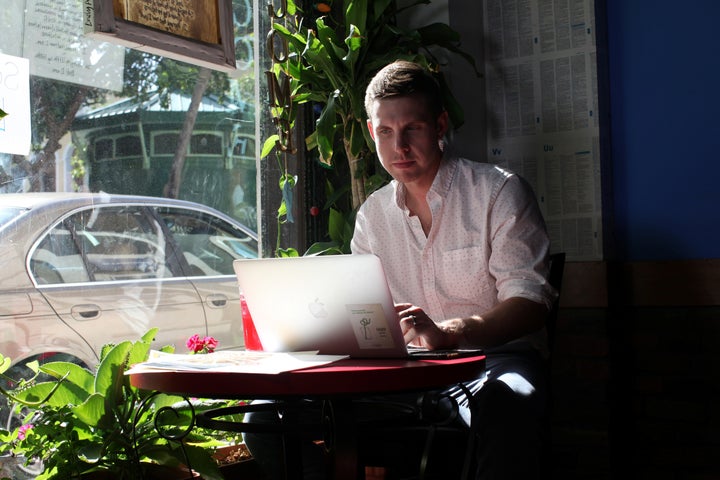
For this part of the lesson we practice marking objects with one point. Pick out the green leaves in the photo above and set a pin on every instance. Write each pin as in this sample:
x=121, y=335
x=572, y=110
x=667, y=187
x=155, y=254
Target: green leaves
x=328, y=63
x=83, y=421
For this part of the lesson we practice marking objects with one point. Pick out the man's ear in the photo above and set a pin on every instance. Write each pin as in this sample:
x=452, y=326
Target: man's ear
x=443, y=121
x=370, y=129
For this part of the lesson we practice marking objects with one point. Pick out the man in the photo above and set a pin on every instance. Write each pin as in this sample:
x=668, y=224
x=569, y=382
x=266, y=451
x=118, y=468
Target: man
x=465, y=250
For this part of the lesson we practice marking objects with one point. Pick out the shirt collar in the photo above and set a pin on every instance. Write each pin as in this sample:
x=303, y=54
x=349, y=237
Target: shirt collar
x=440, y=186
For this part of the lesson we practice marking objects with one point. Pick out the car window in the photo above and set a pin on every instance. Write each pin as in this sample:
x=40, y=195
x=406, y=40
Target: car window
x=208, y=243
x=57, y=259
x=102, y=244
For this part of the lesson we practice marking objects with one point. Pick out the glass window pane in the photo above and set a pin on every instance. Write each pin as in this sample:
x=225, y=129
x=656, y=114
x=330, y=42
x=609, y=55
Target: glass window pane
x=129, y=146
x=165, y=143
x=206, y=143
x=208, y=244
x=108, y=118
x=104, y=149
x=57, y=259
x=121, y=243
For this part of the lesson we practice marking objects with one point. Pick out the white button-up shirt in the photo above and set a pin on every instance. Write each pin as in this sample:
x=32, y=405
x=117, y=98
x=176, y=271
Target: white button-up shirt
x=487, y=243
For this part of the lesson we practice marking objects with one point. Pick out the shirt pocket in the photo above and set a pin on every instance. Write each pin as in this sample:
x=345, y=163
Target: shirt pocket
x=462, y=275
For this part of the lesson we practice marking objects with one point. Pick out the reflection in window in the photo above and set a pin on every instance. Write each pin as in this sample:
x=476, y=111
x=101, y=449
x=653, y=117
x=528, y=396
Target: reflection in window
x=129, y=146
x=111, y=120
x=244, y=146
x=104, y=149
x=102, y=244
x=165, y=143
x=208, y=244
x=57, y=259
x=206, y=143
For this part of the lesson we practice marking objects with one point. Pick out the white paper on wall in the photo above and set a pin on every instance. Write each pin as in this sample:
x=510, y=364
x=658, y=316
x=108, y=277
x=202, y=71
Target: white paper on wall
x=15, y=101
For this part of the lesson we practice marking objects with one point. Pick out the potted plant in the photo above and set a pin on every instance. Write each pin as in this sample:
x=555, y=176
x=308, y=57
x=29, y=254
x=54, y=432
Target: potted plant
x=82, y=423
x=325, y=58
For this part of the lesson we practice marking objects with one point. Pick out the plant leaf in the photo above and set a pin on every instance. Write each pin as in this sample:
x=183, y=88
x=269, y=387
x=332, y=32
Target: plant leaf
x=110, y=376
x=269, y=145
x=326, y=128
x=4, y=361
x=92, y=411
x=356, y=14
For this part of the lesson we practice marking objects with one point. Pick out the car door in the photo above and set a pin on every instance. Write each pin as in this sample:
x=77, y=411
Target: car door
x=208, y=245
x=110, y=274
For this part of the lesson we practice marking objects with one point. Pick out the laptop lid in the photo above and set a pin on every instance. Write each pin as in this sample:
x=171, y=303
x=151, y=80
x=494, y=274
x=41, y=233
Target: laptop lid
x=335, y=304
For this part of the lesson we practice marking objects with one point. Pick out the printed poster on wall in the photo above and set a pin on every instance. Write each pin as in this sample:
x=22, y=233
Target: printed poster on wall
x=15, y=101
x=542, y=97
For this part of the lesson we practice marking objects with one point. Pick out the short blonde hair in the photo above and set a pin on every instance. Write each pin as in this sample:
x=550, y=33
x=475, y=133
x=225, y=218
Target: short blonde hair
x=404, y=78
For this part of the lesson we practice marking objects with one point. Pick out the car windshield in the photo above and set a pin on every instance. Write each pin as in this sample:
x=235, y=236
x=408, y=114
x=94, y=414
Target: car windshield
x=9, y=213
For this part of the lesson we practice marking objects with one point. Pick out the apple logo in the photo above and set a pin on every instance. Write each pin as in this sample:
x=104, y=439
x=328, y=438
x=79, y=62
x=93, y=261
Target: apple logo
x=317, y=309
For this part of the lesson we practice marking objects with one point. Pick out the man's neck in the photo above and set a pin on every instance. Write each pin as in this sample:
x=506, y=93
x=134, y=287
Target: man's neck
x=416, y=202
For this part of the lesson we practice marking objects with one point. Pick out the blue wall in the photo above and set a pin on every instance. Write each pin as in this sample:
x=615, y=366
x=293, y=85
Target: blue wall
x=664, y=87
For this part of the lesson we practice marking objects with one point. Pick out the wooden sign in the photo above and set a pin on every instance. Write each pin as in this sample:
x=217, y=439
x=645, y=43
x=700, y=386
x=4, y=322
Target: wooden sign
x=194, y=31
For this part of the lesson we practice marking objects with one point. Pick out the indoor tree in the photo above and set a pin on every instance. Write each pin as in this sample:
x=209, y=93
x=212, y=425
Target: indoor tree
x=325, y=58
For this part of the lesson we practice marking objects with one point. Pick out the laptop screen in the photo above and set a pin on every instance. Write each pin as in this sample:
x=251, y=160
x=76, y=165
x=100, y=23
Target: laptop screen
x=333, y=304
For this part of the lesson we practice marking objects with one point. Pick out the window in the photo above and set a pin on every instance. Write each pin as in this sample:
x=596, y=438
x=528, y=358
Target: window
x=165, y=143
x=129, y=146
x=121, y=243
x=206, y=143
x=108, y=118
x=100, y=245
x=208, y=244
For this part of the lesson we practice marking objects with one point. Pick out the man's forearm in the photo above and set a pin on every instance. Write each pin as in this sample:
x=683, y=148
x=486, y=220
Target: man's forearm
x=507, y=321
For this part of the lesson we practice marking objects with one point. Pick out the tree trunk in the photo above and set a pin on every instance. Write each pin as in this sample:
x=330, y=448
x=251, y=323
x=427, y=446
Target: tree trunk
x=357, y=177
x=172, y=188
x=42, y=172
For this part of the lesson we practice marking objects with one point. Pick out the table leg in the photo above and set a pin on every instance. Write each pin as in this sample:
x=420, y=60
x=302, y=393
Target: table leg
x=339, y=427
x=292, y=445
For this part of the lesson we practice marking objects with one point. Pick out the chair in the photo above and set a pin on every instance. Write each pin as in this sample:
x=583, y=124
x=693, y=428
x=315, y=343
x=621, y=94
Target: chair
x=555, y=277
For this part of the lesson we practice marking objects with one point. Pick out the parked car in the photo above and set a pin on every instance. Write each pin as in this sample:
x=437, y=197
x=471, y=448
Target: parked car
x=79, y=270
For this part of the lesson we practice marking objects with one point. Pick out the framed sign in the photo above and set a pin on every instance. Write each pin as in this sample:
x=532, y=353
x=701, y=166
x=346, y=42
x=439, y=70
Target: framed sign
x=194, y=31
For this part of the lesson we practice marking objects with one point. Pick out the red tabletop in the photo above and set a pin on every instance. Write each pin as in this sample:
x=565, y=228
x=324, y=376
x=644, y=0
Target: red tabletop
x=345, y=377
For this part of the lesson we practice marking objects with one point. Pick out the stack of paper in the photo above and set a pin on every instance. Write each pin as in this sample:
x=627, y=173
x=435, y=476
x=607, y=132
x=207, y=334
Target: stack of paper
x=241, y=361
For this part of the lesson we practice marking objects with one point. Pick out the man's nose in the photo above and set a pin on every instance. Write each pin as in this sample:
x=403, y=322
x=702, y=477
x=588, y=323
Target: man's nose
x=401, y=144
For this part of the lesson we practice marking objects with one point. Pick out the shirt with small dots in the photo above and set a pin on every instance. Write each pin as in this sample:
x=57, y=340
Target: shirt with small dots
x=487, y=242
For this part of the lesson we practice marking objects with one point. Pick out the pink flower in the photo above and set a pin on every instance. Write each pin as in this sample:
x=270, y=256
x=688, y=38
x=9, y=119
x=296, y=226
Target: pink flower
x=24, y=429
x=210, y=344
x=204, y=345
x=194, y=343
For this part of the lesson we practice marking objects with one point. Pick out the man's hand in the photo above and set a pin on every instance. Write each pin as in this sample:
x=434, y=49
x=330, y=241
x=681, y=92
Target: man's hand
x=420, y=330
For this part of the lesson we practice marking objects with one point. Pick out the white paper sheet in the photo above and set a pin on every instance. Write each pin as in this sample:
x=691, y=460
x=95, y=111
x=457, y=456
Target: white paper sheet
x=15, y=101
x=241, y=361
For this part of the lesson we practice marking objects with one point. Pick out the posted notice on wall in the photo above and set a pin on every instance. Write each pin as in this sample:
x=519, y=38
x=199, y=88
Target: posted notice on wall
x=15, y=101
x=57, y=48
x=541, y=71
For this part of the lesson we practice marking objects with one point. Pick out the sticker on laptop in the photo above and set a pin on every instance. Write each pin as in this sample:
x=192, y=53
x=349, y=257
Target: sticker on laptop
x=370, y=325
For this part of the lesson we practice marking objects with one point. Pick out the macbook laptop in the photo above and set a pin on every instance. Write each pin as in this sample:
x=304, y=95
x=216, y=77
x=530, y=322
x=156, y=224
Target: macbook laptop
x=333, y=304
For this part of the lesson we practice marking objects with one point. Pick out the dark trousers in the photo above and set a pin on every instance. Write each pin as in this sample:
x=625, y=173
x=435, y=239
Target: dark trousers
x=507, y=405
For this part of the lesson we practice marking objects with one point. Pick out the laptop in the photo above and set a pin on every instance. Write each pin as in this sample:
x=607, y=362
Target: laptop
x=332, y=304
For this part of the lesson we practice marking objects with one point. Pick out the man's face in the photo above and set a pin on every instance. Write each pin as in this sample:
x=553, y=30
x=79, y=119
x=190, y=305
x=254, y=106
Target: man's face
x=407, y=135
